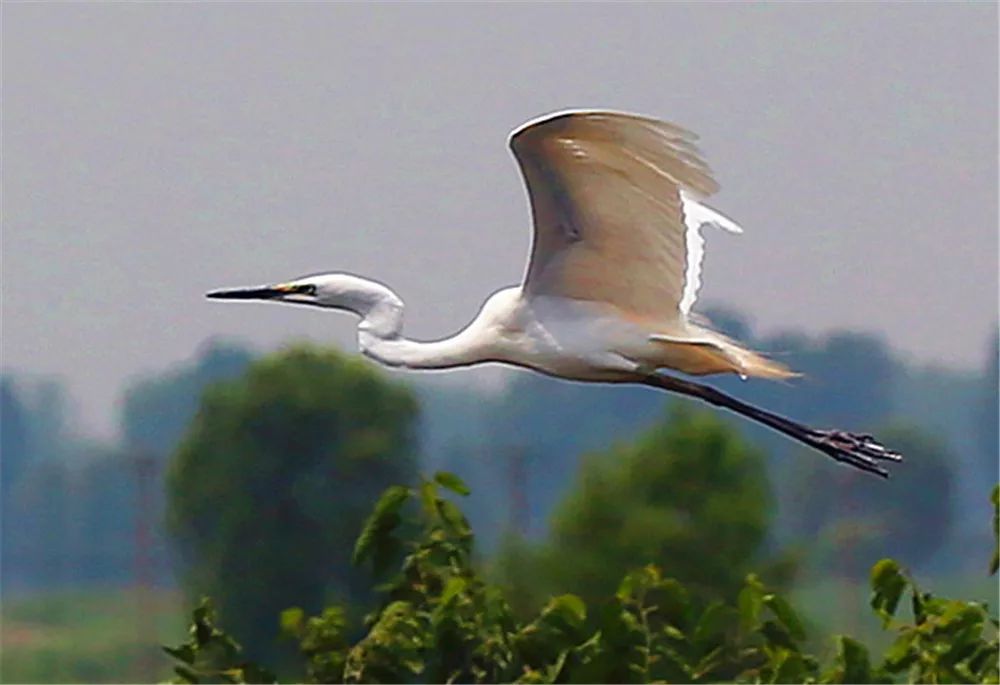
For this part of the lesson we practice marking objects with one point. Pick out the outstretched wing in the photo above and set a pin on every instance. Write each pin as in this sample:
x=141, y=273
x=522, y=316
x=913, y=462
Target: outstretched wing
x=614, y=199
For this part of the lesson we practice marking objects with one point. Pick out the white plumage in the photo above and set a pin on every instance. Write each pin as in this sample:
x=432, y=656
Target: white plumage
x=617, y=202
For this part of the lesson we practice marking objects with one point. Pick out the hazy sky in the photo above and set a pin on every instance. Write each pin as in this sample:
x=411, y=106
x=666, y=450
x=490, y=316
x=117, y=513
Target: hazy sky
x=152, y=152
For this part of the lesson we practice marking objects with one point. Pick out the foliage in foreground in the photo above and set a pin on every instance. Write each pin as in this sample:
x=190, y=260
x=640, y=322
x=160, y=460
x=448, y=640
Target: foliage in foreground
x=440, y=622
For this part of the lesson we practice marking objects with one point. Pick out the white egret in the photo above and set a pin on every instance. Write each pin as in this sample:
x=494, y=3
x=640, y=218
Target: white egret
x=617, y=203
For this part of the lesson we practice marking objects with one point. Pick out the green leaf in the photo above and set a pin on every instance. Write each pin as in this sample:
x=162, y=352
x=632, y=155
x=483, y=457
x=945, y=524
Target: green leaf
x=888, y=583
x=789, y=667
x=292, y=621
x=383, y=520
x=638, y=582
x=786, y=614
x=854, y=660
x=708, y=663
x=391, y=501
x=453, y=518
x=555, y=671
x=568, y=607
x=231, y=675
x=428, y=496
x=984, y=654
x=451, y=482
x=673, y=632
x=455, y=586
x=627, y=588
x=673, y=667
x=901, y=653
x=750, y=602
x=964, y=644
x=958, y=616
x=712, y=624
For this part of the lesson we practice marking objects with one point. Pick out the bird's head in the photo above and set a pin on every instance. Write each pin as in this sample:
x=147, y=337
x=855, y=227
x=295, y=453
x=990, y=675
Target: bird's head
x=333, y=290
x=336, y=290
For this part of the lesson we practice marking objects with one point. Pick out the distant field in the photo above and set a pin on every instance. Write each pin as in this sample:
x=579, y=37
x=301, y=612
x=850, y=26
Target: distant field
x=97, y=636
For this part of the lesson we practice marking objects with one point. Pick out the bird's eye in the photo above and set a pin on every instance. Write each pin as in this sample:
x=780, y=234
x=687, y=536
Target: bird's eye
x=307, y=289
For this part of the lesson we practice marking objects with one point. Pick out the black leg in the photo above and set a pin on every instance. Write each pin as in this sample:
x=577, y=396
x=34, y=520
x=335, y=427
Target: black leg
x=858, y=450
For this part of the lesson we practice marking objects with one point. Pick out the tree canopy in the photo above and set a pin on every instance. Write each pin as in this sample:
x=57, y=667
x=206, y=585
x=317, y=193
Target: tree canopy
x=274, y=478
x=690, y=496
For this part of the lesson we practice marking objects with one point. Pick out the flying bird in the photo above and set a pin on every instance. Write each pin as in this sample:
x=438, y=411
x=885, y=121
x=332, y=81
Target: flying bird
x=618, y=206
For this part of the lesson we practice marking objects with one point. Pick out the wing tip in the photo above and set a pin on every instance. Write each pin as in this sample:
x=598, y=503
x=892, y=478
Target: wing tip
x=546, y=118
x=703, y=215
x=569, y=113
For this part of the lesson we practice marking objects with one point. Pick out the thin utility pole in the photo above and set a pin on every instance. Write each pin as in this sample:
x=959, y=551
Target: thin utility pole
x=517, y=490
x=144, y=470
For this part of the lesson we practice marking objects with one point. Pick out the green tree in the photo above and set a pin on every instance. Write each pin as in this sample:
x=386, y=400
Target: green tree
x=690, y=496
x=440, y=621
x=274, y=478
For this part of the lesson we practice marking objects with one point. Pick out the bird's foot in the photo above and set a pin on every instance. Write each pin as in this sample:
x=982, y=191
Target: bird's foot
x=860, y=450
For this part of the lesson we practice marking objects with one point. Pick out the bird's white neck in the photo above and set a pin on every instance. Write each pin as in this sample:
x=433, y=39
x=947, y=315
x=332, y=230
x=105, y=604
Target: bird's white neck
x=380, y=331
x=414, y=354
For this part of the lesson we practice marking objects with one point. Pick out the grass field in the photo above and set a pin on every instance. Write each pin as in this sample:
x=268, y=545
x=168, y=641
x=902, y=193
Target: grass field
x=97, y=636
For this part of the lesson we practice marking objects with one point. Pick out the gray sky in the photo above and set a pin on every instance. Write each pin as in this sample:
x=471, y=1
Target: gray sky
x=153, y=152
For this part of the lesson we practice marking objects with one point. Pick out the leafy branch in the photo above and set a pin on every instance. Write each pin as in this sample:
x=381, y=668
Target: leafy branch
x=439, y=621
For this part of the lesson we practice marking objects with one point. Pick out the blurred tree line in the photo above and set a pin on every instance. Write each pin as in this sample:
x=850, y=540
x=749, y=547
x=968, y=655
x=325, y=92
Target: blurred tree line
x=69, y=506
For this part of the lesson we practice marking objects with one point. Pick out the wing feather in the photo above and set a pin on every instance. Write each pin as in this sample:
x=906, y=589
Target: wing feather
x=609, y=192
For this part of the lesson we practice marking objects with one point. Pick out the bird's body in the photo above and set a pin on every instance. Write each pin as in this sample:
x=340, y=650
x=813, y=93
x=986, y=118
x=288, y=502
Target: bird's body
x=615, y=267
x=553, y=335
x=586, y=341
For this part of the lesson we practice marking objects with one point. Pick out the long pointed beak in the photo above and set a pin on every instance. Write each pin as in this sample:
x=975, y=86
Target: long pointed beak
x=264, y=293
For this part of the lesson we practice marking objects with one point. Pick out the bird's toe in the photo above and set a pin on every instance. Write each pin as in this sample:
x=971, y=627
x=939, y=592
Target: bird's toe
x=861, y=451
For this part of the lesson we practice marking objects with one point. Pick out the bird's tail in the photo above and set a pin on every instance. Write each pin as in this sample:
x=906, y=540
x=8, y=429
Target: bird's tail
x=746, y=362
x=750, y=363
x=711, y=352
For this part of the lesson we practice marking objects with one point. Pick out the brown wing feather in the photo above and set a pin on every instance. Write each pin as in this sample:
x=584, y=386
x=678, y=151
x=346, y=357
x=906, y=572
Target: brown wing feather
x=605, y=198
